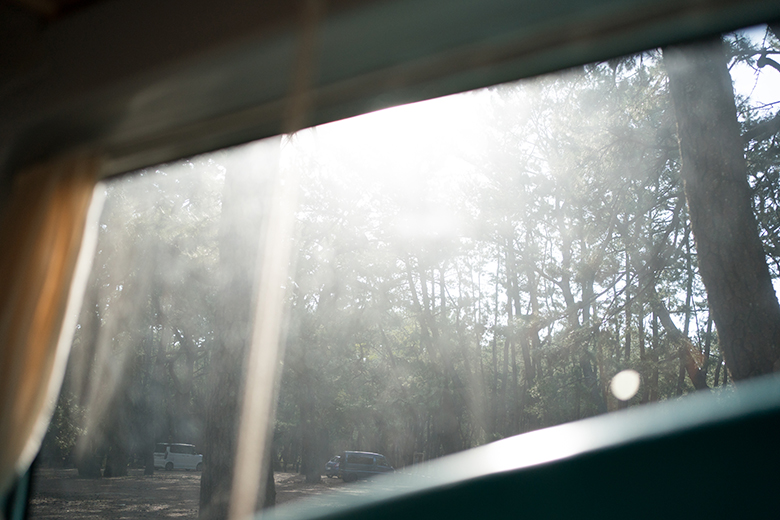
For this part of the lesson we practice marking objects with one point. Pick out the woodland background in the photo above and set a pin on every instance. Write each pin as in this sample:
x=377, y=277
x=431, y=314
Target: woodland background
x=438, y=301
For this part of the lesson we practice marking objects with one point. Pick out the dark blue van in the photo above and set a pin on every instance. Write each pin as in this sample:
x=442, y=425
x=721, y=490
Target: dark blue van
x=362, y=464
x=332, y=467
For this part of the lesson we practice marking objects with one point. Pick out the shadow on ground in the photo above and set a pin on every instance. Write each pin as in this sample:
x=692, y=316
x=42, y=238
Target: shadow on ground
x=61, y=494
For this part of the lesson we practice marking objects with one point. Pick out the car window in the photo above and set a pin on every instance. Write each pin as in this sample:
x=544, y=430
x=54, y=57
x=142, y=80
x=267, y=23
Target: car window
x=360, y=459
x=463, y=270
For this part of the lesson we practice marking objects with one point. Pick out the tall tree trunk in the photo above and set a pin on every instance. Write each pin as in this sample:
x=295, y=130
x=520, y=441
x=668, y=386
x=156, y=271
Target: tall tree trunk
x=530, y=358
x=717, y=372
x=588, y=276
x=116, y=457
x=494, y=363
x=310, y=433
x=566, y=254
x=151, y=405
x=425, y=336
x=90, y=460
x=627, y=351
x=443, y=294
x=242, y=219
x=505, y=372
x=534, y=324
x=731, y=258
x=682, y=349
x=516, y=404
x=692, y=360
x=269, y=500
x=428, y=303
x=707, y=346
x=640, y=319
x=652, y=383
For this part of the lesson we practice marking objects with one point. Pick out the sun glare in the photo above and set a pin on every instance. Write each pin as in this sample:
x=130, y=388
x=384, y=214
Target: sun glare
x=409, y=135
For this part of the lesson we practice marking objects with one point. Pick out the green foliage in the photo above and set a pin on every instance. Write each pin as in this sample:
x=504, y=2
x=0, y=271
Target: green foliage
x=441, y=298
x=64, y=431
x=569, y=228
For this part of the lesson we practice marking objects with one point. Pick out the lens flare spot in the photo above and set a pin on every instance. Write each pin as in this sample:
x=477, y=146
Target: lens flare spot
x=625, y=384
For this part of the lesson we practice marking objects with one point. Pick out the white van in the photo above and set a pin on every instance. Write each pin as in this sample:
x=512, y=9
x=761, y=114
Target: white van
x=177, y=456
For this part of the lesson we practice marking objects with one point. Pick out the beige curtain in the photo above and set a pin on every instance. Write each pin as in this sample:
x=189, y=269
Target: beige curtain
x=41, y=235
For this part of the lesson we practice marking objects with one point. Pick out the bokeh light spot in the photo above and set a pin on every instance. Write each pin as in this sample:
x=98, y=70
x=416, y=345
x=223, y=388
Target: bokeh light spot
x=625, y=384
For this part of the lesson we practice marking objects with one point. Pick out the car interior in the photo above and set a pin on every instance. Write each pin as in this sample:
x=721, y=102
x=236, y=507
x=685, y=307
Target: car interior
x=93, y=89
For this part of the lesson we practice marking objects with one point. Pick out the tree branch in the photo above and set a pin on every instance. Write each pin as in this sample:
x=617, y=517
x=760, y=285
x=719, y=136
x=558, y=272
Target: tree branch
x=763, y=130
x=692, y=358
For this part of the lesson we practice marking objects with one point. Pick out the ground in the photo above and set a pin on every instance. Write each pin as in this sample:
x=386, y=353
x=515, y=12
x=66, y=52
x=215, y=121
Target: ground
x=166, y=494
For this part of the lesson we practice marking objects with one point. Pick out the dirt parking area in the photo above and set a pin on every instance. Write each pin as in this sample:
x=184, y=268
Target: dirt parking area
x=60, y=494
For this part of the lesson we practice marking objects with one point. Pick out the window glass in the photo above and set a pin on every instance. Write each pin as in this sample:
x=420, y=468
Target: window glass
x=464, y=270
x=360, y=459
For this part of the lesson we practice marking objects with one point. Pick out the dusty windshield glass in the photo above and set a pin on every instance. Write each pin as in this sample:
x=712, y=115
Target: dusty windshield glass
x=463, y=270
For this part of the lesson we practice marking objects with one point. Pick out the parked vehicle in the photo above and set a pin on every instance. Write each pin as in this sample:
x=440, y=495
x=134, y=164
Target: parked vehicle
x=362, y=464
x=177, y=456
x=332, y=467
